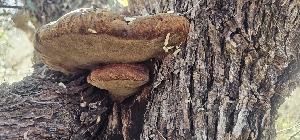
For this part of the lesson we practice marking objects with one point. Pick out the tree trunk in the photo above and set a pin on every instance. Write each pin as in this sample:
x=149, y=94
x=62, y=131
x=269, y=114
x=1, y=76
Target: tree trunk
x=240, y=61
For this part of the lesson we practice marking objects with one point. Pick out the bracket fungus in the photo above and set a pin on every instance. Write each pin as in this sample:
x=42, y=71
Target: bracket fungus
x=86, y=38
x=120, y=80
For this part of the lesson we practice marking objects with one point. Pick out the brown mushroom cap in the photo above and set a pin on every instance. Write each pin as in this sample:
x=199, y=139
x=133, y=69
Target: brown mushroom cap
x=85, y=38
x=121, y=80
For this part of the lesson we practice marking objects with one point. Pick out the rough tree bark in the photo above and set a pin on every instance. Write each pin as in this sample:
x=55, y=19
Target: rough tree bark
x=240, y=61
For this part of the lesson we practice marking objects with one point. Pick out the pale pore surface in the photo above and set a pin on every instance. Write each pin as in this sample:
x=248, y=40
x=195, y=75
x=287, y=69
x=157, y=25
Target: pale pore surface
x=119, y=88
x=93, y=50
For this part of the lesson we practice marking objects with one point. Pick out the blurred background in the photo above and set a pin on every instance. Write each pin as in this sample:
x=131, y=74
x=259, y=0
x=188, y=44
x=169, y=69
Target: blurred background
x=20, y=18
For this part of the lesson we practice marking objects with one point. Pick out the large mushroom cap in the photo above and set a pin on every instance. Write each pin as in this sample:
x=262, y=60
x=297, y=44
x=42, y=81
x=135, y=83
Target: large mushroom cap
x=84, y=38
x=121, y=80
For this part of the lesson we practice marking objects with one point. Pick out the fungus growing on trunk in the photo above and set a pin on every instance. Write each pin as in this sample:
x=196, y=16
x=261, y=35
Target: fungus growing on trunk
x=121, y=80
x=86, y=38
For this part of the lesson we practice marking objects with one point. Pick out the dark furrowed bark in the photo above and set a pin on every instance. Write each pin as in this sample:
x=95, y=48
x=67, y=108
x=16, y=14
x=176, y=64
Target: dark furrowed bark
x=229, y=79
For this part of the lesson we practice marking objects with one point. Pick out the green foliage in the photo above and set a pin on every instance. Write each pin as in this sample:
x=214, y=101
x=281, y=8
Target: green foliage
x=5, y=12
x=288, y=122
x=123, y=2
x=2, y=35
x=111, y=3
x=32, y=19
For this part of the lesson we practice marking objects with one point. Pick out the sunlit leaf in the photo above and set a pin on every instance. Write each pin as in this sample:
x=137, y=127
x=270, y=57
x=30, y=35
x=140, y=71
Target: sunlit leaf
x=1, y=33
x=123, y=2
x=32, y=19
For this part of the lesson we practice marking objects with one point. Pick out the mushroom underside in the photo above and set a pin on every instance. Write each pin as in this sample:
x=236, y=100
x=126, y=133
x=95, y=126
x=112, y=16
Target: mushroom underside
x=121, y=80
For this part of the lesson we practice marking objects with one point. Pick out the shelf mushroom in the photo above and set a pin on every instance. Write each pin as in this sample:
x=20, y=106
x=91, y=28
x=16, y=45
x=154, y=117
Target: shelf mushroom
x=120, y=80
x=86, y=38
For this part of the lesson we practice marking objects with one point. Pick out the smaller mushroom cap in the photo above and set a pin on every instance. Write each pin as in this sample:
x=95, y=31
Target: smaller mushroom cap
x=121, y=80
